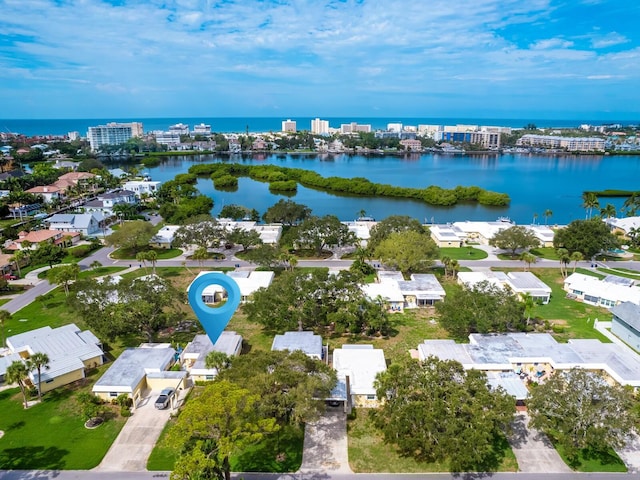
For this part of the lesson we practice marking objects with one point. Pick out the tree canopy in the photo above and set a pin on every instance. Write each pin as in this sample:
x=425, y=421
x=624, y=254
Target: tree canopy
x=291, y=385
x=391, y=224
x=484, y=308
x=515, y=238
x=287, y=212
x=581, y=410
x=201, y=230
x=319, y=233
x=133, y=235
x=300, y=300
x=435, y=410
x=589, y=237
x=130, y=306
x=408, y=251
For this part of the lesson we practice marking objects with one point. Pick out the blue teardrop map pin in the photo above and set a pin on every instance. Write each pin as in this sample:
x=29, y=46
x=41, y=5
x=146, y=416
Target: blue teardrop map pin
x=214, y=320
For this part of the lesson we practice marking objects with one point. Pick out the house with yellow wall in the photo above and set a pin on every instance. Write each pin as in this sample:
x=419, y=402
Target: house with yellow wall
x=71, y=353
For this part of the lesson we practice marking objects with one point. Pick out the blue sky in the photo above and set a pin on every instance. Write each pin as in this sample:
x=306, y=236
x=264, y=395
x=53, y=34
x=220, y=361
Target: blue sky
x=555, y=59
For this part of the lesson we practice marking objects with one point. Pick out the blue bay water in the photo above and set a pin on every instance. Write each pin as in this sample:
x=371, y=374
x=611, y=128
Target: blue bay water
x=534, y=183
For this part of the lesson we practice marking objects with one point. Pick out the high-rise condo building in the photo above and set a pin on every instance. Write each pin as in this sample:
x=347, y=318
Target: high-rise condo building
x=289, y=126
x=202, y=129
x=113, y=134
x=320, y=127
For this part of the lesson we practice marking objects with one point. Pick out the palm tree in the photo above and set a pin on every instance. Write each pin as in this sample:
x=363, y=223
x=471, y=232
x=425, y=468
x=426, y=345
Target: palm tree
x=152, y=256
x=16, y=373
x=529, y=303
x=141, y=257
x=18, y=257
x=528, y=258
x=575, y=258
x=589, y=202
x=454, y=267
x=38, y=361
x=547, y=213
x=535, y=217
x=200, y=254
x=608, y=211
x=4, y=316
x=446, y=262
x=95, y=265
x=631, y=205
x=217, y=360
x=565, y=259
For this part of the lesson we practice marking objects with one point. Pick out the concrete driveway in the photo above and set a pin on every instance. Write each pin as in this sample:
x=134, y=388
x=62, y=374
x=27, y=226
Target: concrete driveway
x=630, y=454
x=325, y=444
x=533, y=450
x=131, y=449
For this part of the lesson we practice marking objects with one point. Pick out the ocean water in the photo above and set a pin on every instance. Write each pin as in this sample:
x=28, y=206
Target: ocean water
x=31, y=127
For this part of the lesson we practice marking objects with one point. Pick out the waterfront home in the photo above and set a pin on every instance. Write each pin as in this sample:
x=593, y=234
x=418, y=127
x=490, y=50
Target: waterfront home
x=361, y=229
x=193, y=357
x=269, y=233
x=480, y=232
x=626, y=227
x=71, y=352
x=307, y=342
x=142, y=187
x=607, y=293
x=520, y=283
x=138, y=370
x=104, y=202
x=535, y=356
x=625, y=323
x=544, y=234
x=447, y=235
x=357, y=367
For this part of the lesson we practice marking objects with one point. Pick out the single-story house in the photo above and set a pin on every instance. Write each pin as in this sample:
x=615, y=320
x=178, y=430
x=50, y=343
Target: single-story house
x=85, y=223
x=421, y=290
x=307, y=342
x=625, y=323
x=388, y=292
x=269, y=233
x=520, y=283
x=447, y=235
x=535, y=355
x=164, y=237
x=248, y=282
x=70, y=351
x=193, y=357
x=544, y=234
x=608, y=292
x=623, y=225
x=361, y=229
x=139, y=369
x=357, y=367
x=480, y=232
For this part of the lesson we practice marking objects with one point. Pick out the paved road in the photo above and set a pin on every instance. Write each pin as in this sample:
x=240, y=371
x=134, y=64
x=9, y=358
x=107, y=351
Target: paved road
x=92, y=475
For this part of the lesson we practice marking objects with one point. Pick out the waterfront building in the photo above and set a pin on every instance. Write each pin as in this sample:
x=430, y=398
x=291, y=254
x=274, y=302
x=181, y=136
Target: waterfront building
x=73, y=136
x=354, y=127
x=140, y=187
x=289, y=126
x=571, y=144
x=181, y=129
x=113, y=134
x=49, y=193
x=394, y=127
x=320, y=127
x=170, y=138
x=202, y=129
x=411, y=145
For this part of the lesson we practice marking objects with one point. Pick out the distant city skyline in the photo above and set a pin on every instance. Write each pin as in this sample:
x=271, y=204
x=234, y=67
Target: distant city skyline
x=547, y=59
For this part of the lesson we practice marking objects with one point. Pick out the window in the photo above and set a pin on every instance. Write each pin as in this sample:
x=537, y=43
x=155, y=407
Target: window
x=48, y=380
x=208, y=377
x=371, y=397
x=113, y=394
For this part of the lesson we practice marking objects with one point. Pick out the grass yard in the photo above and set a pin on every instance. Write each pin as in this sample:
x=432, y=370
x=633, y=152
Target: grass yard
x=50, y=309
x=589, y=461
x=463, y=253
x=51, y=435
x=571, y=318
x=278, y=453
x=369, y=454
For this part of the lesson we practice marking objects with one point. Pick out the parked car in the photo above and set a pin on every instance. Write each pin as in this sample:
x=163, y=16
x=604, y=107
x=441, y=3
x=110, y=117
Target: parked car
x=164, y=399
x=10, y=276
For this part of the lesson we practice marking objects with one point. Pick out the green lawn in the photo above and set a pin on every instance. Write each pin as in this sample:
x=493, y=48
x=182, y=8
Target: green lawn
x=589, y=461
x=369, y=454
x=51, y=310
x=548, y=253
x=464, y=253
x=50, y=435
x=278, y=453
x=571, y=318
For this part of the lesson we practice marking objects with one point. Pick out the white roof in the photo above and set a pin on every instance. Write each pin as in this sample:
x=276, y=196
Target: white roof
x=500, y=352
x=361, y=363
x=248, y=282
x=446, y=233
x=307, y=342
x=165, y=234
x=389, y=291
x=362, y=230
x=486, y=229
x=228, y=343
x=519, y=282
x=67, y=347
x=542, y=232
x=625, y=224
x=608, y=290
x=269, y=233
x=132, y=366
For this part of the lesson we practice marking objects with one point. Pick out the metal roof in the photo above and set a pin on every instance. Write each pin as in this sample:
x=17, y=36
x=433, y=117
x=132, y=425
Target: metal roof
x=307, y=342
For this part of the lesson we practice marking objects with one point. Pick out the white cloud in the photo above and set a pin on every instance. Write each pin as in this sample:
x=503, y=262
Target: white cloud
x=608, y=40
